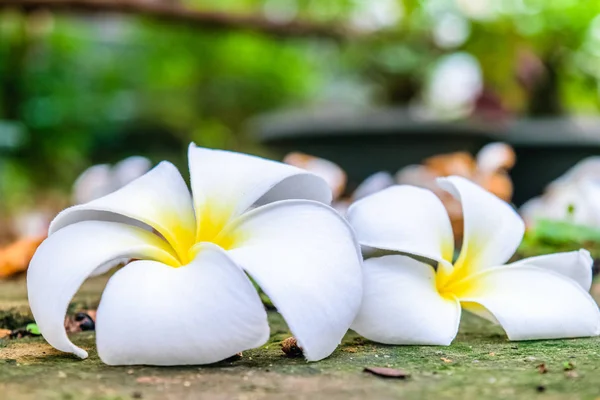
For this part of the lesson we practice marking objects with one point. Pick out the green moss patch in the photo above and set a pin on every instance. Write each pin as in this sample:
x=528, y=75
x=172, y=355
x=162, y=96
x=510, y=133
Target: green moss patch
x=481, y=363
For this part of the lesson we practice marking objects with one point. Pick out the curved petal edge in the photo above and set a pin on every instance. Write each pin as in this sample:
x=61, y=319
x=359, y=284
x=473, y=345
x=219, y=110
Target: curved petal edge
x=304, y=256
x=401, y=304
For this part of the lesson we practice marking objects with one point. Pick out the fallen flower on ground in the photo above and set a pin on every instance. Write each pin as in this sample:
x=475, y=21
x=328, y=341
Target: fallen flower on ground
x=408, y=301
x=186, y=298
x=573, y=197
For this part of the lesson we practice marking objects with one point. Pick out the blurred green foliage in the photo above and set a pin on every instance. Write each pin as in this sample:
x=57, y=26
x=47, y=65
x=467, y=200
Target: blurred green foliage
x=95, y=88
x=529, y=51
x=554, y=236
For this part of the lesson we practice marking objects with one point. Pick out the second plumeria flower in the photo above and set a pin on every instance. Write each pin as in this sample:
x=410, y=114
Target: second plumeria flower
x=408, y=301
x=186, y=298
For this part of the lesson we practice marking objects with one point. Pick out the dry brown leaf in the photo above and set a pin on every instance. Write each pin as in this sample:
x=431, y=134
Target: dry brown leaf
x=15, y=257
x=498, y=183
x=446, y=360
x=290, y=347
x=542, y=369
x=460, y=163
x=387, y=372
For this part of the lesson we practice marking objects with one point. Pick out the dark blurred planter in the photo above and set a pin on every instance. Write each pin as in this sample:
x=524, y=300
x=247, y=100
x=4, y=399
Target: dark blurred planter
x=388, y=139
x=547, y=148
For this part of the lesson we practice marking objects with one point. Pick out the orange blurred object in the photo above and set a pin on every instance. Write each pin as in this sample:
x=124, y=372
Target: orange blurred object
x=15, y=257
x=459, y=163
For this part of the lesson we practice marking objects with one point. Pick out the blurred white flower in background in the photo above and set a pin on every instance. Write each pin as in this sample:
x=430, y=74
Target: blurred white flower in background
x=96, y=181
x=479, y=9
x=281, y=11
x=376, y=14
x=373, y=184
x=573, y=197
x=454, y=85
x=102, y=179
x=32, y=223
x=489, y=170
x=29, y=226
x=451, y=30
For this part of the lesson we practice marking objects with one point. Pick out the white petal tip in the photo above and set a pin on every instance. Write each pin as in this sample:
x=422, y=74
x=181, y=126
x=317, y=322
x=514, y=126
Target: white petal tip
x=312, y=358
x=80, y=353
x=584, y=254
x=316, y=357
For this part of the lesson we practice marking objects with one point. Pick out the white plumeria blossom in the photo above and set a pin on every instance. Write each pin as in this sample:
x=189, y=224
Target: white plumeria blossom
x=407, y=301
x=186, y=298
x=572, y=197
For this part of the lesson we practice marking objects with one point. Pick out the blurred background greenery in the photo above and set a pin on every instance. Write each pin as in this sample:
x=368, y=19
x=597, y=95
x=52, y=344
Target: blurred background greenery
x=78, y=88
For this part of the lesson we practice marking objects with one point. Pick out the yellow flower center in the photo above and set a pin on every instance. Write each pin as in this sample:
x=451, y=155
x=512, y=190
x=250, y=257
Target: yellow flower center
x=212, y=220
x=452, y=281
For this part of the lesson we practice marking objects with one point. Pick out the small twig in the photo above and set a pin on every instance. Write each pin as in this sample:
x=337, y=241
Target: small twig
x=173, y=12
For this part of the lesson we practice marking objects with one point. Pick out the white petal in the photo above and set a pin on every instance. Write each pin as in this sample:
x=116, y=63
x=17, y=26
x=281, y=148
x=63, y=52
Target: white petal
x=493, y=229
x=65, y=259
x=401, y=304
x=237, y=181
x=576, y=265
x=533, y=303
x=406, y=219
x=200, y=313
x=159, y=199
x=305, y=258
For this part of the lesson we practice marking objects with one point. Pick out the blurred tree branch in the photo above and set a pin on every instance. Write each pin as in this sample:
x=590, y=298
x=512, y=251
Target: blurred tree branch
x=173, y=12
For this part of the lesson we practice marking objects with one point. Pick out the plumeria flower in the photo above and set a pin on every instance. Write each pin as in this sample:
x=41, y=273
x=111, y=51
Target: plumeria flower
x=571, y=197
x=186, y=298
x=407, y=301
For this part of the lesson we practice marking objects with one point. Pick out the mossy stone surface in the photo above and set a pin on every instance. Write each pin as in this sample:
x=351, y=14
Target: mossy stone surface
x=481, y=363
